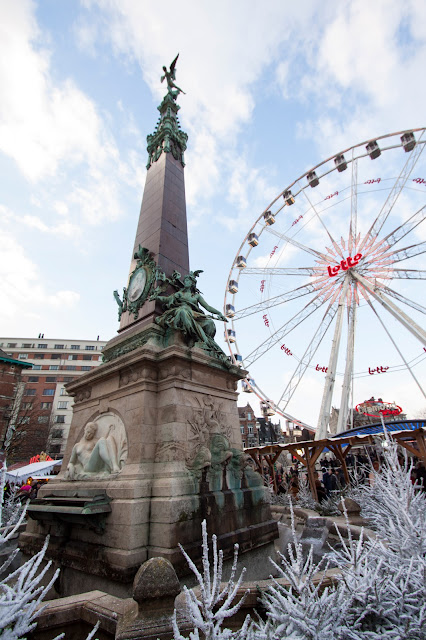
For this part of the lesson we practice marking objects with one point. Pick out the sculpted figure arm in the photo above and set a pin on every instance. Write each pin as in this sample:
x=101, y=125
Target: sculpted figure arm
x=70, y=472
x=206, y=306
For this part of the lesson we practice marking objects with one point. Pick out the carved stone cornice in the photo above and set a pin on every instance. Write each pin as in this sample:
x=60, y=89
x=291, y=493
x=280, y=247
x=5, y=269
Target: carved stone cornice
x=130, y=344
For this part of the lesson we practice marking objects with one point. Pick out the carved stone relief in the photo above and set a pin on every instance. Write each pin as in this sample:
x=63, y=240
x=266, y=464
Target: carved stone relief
x=170, y=452
x=83, y=394
x=101, y=451
x=132, y=375
x=207, y=420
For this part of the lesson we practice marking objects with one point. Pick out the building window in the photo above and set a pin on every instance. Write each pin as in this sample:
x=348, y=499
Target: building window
x=99, y=358
x=55, y=449
x=27, y=405
x=89, y=348
x=68, y=378
x=51, y=378
x=63, y=405
x=57, y=433
x=87, y=357
x=59, y=346
x=33, y=379
x=54, y=367
x=42, y=346
x=11, y=345
x=43, y=419
x=26, y=345
x=48, y=392
x=36, y=366
x=249, y=416
x=250, y=428
x=55, y=356
x=86, y=368
x=23, y=356
x=23, y=420
x=71, y=367
x=30, y=392
x=62, y=392
x=60, y=419
x=75, y=346
x=242, y=428
x=39, y=356
x=46, y=405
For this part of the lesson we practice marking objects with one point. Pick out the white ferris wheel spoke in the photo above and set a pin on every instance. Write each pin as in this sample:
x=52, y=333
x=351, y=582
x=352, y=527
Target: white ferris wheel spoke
x=393, y=196
x=401, y=298
x=405, y=320
x=333, y=242
x=324, y=415
x=304, y=363
x=276, y=300
x=299, y=245
x=408, y=252
x=354, y=204
x=281, y=271
x=286, y=328
x=409, y=274
x=397, y=348
x=406, y=228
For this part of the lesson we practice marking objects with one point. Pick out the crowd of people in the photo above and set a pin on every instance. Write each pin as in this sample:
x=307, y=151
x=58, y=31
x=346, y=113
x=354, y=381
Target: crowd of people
x=27, y=491
x=331, y=478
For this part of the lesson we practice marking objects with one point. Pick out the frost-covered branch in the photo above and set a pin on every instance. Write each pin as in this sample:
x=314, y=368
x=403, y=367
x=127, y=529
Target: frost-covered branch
x=215, y=604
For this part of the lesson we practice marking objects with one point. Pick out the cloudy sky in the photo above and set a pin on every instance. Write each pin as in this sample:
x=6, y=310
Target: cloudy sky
x=272, y=89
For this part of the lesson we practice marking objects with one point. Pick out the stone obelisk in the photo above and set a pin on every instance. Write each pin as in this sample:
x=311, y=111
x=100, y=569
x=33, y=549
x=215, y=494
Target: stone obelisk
x=155, y=443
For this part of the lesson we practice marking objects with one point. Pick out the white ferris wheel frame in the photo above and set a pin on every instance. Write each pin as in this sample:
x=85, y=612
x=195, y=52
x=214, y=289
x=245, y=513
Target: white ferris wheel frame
x=380, y=294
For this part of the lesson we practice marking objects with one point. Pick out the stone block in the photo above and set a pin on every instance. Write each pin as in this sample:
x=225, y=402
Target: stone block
x=125, y=558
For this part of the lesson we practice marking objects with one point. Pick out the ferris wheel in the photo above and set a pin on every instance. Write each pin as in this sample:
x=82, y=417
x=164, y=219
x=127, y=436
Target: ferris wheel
x=325, y=297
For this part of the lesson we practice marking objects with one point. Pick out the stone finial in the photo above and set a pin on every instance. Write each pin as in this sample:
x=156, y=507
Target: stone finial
x=156, y=578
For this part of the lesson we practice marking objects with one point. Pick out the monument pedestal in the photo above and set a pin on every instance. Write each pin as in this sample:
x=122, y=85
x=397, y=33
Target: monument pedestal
x=170, y=413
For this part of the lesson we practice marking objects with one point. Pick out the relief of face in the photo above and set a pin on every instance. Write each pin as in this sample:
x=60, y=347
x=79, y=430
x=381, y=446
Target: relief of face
x=90, y=430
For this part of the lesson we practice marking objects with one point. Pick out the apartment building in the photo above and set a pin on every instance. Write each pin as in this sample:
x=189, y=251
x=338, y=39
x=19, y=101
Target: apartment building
x=42, y=411
x=248, y=426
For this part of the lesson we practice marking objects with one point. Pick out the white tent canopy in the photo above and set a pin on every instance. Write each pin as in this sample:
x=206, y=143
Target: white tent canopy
x=30, y=470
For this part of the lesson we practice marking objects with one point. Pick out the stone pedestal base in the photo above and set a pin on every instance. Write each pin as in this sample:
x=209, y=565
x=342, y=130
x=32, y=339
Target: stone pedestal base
x=182, y=463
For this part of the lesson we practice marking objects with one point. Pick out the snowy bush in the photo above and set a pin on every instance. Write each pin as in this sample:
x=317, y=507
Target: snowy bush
x=208, y=614
x=378, y=591
x=329, y=506
x=11, y=510
x=304, y=498
x=21, y=591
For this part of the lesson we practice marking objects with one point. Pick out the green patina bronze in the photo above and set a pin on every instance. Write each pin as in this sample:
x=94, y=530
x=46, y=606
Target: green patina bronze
x=140, y=284
x=170, y=76
x=168, y=137
x=150, y=333
x=183, y=312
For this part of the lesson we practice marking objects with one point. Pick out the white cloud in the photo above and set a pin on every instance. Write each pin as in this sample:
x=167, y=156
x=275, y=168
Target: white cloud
x=42, y=125
x=222, y=54
x=61, y=208
x=66, y=229
x=26, y=296
x=366, y=75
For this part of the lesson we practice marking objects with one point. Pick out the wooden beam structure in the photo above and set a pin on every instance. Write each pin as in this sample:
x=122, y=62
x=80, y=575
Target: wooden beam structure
x=308, y=452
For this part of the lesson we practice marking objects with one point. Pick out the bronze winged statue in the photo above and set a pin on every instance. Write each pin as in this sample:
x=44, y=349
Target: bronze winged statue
x=170, y=77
